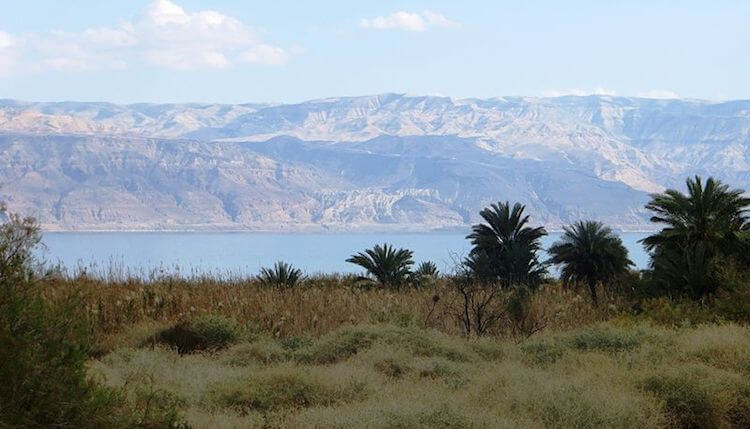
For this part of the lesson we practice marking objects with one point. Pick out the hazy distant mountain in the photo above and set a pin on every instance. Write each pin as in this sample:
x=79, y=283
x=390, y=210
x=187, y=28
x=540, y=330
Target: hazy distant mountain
x=377, y=162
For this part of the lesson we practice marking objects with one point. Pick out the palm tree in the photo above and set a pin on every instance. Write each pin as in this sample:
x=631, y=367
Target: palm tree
x=589, y=253
x=712, y=214
x=281, y=275
x=425, y=274
x=711, y=221
x=390, y=267
x=427, y=268
x=688, y=271
x=505, y=247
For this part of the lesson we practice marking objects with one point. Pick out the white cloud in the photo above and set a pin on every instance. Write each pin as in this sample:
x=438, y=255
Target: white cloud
x=7, y=56
x=164, y=34
x=658, y=93
x=579, y=92
x=409, y=21
x=6, y=40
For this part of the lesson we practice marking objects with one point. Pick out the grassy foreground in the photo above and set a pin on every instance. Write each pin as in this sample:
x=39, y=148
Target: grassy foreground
x=234, y=354
x=611, y=374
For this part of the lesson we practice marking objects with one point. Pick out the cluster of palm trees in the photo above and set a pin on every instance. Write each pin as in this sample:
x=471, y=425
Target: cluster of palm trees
x=701, y=230
x=505, y=251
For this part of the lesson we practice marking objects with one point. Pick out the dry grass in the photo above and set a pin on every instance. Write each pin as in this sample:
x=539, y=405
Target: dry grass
x=127, y=312
x=608, y=375
x=331, y=354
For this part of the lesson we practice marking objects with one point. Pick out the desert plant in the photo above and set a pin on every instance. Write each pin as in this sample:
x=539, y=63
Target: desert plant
x=281, y=275
x=708, y=222
x=390, y=267
x=590, y=253
x=505, y=247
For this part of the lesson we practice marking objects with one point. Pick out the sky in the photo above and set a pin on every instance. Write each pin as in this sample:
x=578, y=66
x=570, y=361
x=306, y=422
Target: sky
x=289, y=51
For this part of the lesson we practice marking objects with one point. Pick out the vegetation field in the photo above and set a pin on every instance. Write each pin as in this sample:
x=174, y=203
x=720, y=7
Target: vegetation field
x=203, y=352
x=622, y=373
x=496, y=343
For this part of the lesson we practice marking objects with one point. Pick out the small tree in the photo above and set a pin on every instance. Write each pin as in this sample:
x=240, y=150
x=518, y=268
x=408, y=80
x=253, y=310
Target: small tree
x=281, y=275
x=590, y=253
x=390, y=267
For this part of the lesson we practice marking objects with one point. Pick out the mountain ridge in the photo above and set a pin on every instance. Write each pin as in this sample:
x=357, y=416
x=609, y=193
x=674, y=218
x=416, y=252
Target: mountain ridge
x=363, y=163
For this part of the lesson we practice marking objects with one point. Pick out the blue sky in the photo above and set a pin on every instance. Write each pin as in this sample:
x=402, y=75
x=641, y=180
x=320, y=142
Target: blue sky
x=287, y=51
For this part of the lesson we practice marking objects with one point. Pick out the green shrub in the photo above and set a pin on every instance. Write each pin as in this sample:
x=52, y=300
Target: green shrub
x=263, y=351
x=441, y=417
x=202, y=333
x=542, y=353
x=605, y=339
x=294, y=342
x=699, y=396
x=338, y=345
x=346, y=342
x=43, y=346
x=157, y=408
x=286, y=388
x=437, y=368
x=686, y=399
x=733, y=303
x=677, y=312
x=392, y=367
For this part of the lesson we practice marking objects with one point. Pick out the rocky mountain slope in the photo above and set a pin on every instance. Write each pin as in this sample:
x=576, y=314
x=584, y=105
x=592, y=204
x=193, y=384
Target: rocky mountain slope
x=378, y=162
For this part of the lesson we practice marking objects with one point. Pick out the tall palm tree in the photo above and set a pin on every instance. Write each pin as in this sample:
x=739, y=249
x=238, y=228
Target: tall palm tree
x=712, y=214
x=390, y=267
x=589, y=253
x=709, y=222
x=505, y=247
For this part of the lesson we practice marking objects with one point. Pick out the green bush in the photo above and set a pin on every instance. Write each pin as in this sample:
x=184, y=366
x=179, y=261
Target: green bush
x=202, y=333
x=677, y=312
x=733, y=301
x=43, y=346
x=700, y=396
x=286, y=388
x=338, y=345
x=263, y=351
x=605, y=339
x=442, y=417
x=294, y=343
x=392, y=367
x=157, y=408
x=542, y=352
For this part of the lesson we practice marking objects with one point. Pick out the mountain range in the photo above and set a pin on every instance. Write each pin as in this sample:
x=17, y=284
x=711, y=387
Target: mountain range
x=385, y=162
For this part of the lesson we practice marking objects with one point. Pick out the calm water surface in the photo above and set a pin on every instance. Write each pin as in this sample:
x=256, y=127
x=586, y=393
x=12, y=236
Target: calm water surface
x=245, y=253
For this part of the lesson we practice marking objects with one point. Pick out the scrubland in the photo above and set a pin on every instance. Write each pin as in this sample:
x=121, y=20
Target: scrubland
x=203, y=352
